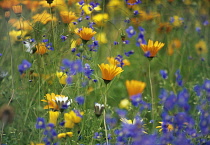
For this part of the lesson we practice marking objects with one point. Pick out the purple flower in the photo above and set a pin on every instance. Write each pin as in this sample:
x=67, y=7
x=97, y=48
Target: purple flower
x=179, y=78
x=147, y=54
x=80, y=100
x=136, y=12
x=130, y=31
x=24, y=66
x=136, y=99
x=76, y=67
x=49, y=46
x=88, y=71
x=40, y=123
x=164, y=74
x=137, y=2
x=63, y=38
x=129, y=53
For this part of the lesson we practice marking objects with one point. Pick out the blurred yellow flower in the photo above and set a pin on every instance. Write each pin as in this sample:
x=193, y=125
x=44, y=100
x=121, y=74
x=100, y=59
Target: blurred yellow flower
x=174, y=44
x=63, y=135
x=85, y=33
x=17, y=35
x=67, y=17
x=168, y=126
x=55, y=3
x=101, y=37
x=109, y=71
x=53, y=115
x=86, y=8
x=134, y=87
x=113, y=61
x=114, y=4
x=71, y=118
x=124, y=104
x=21, y=24
x=41, y=48
x=44, y=17
x=61, y=77
x=100, y=19
x=152, y=48
x=176, y=21
x=201, y=47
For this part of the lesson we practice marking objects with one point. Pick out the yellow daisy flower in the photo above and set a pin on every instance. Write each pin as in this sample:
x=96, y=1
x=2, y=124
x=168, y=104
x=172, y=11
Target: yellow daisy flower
x=201, y=47
x=67, y=17
x=153, y=48
x=134, y=87
x=109, y=71
x=85, y=33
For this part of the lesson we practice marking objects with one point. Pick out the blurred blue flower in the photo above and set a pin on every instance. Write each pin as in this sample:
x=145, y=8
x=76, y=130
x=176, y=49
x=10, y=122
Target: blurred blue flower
x=130, y=31
x=136, y=100
x=80, y=100
x=129, y=53
x=24, y=66
x=40, y=123
x=164, y=74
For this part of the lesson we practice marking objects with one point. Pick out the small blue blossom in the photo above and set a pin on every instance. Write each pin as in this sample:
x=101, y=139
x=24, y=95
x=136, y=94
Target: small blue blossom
x=164, y=74
x=129, y=53
x=80, y=100
x=40, y=123
x=147, y=54
x=63, y=38
x=130, y=31
x=49, y=46
x=136, y=13
x=24, y=66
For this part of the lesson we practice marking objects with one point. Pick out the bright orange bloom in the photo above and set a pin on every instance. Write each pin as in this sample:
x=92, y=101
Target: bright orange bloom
x=67, y=17
x=153, y=48
x=85, y=33
x=135, y=87
x=41, y=48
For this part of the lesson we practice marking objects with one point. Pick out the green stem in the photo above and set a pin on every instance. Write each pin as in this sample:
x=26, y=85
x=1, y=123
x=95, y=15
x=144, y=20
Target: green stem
x=105, y=102
x=153, y=104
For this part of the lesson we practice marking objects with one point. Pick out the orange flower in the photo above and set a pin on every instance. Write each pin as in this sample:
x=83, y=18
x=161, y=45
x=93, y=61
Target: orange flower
x=67, y=17
x=43, y=18
x=41, y=48
x=7, y=4
x=85, y=33
x=152, y=48
x=17, y=9
x=135, y=87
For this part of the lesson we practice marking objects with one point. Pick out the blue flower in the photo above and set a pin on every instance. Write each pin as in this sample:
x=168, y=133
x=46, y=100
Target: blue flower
x=80, y=100
x=24, y=66
x=40, y=123
x=63, y=38
x=76, y=67
x=136, y=100
x=88, y=71
x=164, y=74
x=147, y=54
x=130, y=31
x=133, y=3
x=206, y=85
x=179, y=78
x=198, y=90
x=135, y=12
x=129, y=53
x=49, y=46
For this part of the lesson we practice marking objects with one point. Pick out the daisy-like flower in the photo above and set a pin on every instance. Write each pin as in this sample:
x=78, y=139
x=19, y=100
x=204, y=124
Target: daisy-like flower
x=41, y=48
x=56, y=102
x=67, y=17
x=135, y=87
x=201, y=47
x=85, y=33
x=151, y=49
x=109, y=71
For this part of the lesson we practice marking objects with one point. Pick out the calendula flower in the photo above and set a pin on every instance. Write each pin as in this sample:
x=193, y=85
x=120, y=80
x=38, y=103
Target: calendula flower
x=201, y=47
x=67, y=17
x=44, y=17
x=135, y=87
x=56, y=102
x=41, y=48
x=109, y=71
x=152, y=48
x=85, y=33
x=53, y=117
x=17, y=10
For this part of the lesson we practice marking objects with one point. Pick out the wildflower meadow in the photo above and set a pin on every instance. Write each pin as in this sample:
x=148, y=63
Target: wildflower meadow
x=105, y=72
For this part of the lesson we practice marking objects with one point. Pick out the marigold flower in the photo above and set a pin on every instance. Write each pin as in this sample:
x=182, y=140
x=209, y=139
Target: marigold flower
x=152, y=48
x=85, y=33
x=67, y=17
x=201, y=47
x=41, y=48
x=109, y=71
x=17, y=9
x=53, y=115
x=7, y=4
x=135, y=87
x=44, y=17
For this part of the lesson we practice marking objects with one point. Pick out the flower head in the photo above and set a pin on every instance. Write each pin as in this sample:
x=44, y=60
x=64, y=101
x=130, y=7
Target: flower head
x=67, y=17
x=41, y=48
x=135, y=87
x=109, y=71
x=85, y=33
x=153, y=48
x=99, y=108
x=201, y=47
x=56, y=102
x=53, y=115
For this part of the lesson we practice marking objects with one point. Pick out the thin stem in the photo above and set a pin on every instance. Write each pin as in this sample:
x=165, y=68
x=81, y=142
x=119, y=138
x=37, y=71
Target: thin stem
x=11, y=65
x=152, y=96
x=105, y=102
x=2, y=130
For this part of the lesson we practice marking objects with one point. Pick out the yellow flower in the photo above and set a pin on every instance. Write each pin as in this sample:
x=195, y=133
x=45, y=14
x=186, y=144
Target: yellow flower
x=177, y=21
x=85, y=33
x=55, y=102
x=17, y=35
x=100, y=19
x=44, y=18
x=101, y=37
x=20, y=24
x=62, y=135
x=55, y=3
x=53, y=117
x=201, y=47
x=134, y=87
x=174, y=44
x=109, y=71
x=37, y=143
x=67, y=17
x=41, y=48
x=71, y=118
x=17, y=9
x=125, y=104
x=168, y=126
x=62, y=77
x=86, y=8
x=113, y=61
x=152, y=48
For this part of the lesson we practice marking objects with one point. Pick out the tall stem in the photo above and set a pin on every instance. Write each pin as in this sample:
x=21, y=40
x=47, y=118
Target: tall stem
x=105, y=102
x=150, y=80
